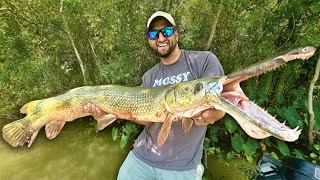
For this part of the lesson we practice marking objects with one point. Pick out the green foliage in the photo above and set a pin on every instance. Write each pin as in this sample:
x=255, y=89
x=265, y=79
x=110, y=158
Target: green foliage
x=243, y=144
x=315, y=154
x=129, y=129
x=250, y=148
x=236, y=142
x=124, y=140
x=291, y=115
x=298, y=153
x=114, y=133
x=274, y=155
x=230, y=124
x=212, y=133
x=316, y=105
x=193, y=34
x=283, y=148
x=230, y=155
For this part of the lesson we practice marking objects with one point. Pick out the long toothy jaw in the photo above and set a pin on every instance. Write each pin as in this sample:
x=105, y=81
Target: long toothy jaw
x=255, y=121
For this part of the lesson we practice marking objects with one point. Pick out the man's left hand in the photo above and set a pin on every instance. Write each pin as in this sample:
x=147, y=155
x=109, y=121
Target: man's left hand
x=207, y=117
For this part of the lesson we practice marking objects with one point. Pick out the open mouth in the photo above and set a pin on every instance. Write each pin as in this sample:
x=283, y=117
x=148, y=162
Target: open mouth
x=162, y=45
x=255, y=121
x=251, y=109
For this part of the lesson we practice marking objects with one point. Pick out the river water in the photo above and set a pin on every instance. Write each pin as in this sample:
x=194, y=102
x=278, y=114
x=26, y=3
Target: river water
x=78, y=152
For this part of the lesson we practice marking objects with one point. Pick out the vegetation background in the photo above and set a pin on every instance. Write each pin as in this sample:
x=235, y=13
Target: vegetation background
x=50, y=46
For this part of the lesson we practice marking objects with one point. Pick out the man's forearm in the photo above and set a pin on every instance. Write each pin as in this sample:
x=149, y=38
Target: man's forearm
x=208, y=117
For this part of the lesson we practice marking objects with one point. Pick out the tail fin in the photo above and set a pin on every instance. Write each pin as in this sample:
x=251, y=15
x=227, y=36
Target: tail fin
x=17, y=134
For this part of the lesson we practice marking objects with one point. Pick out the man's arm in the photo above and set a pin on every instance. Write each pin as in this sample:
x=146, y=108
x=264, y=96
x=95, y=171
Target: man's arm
x=98, y=114
x=207, y=117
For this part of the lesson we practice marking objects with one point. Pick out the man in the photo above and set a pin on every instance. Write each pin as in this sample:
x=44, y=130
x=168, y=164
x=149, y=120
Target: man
x=179, y=157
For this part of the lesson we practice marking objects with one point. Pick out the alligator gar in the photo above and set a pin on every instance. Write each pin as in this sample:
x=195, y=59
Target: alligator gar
x=180, y=101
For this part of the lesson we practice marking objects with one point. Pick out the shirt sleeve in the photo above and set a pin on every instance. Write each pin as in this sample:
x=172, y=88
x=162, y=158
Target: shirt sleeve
x=147, y=77
x=143, y=84
x=211, y=67
x=146, y=81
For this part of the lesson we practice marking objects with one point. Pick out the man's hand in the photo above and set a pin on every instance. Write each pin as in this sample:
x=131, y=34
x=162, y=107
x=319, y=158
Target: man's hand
x=96, y=112
x=209, y=116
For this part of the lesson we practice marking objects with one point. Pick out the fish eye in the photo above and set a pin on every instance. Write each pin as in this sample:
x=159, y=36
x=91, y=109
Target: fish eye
x=198, y=87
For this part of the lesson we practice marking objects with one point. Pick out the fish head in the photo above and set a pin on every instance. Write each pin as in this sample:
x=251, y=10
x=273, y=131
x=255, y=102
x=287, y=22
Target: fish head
x=191, y=94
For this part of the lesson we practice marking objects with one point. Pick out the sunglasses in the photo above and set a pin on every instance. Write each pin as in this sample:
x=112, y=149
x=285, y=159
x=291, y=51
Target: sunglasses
x=166, y=32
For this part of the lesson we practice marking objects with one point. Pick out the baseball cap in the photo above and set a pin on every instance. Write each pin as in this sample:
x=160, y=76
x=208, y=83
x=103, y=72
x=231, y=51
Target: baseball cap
x=162, y=14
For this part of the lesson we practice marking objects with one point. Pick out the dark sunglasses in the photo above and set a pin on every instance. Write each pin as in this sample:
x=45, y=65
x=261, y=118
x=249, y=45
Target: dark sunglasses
x=166, y=32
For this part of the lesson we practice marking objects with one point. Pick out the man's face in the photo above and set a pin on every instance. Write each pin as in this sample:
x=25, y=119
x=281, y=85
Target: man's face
x=163, y=46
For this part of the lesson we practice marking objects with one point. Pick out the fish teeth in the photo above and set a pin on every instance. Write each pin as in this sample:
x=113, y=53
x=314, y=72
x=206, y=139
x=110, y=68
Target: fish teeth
x=295, y=129
x=299, y=131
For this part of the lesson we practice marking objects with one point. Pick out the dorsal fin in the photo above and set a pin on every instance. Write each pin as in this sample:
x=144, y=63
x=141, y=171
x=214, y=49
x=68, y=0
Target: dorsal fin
x=53, y=128
x=164, y=132
x=30, y=106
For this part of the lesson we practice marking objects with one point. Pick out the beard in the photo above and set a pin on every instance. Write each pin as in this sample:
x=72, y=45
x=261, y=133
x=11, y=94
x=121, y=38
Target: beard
x=167, y=53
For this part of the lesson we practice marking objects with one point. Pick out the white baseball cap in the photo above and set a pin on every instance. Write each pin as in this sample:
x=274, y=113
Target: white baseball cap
x=162, y=14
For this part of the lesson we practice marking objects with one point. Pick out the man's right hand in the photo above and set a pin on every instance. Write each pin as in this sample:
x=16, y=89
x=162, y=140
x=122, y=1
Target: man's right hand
x=96, y=112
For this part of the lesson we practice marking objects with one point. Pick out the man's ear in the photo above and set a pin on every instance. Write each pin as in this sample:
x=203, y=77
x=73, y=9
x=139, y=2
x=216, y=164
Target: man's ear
x=177, y=35
x=149, y=41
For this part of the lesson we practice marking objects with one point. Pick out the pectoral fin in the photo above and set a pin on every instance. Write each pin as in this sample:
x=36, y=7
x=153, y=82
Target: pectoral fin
x=186, y=124
x=105, y=121
x=164, y=132
x=53, y=128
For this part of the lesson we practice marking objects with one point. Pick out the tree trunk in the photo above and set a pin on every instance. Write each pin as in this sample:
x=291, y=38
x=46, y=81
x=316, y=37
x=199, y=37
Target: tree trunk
x=75, y=50
x=310, y=106
x=214, y=27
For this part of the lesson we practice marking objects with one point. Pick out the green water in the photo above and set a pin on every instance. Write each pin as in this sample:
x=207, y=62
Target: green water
x=234, y=169
x=78, y=152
